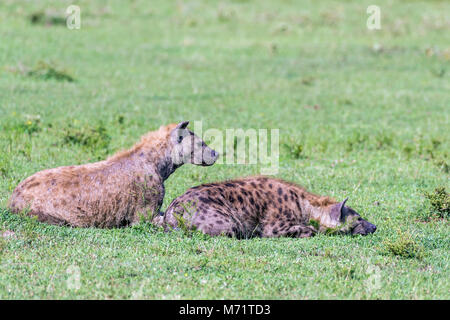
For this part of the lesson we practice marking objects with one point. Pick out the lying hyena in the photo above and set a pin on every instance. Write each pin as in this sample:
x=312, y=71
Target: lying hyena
x=115, y=192
x=264, y=207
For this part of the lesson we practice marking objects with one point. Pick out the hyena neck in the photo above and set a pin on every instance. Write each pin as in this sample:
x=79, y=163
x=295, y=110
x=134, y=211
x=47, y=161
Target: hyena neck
x=150, y=160
x=319, y=214
x=309, y=211
x=316, y=208
x=165, y=166
x=160, y=158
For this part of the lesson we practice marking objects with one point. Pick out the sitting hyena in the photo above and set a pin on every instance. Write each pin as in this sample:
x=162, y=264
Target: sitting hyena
x=264, y=207
x=115, y=192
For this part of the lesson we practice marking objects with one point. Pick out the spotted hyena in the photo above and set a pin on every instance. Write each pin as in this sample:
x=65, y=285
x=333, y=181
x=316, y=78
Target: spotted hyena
x=115, y=192
x=263, y=207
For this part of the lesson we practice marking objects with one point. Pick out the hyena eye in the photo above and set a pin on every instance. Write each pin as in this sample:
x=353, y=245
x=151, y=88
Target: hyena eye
x=180, y=138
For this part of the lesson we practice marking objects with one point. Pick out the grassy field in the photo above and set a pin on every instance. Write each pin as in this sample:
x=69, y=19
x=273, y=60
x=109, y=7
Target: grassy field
x=362, y=114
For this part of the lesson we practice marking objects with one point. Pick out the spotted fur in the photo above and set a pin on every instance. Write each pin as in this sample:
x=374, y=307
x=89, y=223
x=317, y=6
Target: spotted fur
x=263, y=207
x=114, y=192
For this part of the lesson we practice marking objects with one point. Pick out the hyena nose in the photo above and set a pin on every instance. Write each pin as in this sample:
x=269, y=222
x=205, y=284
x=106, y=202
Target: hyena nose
x=214, y=154
x=372, y=228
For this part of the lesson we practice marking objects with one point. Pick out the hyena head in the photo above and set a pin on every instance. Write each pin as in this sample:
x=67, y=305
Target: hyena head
x=348, y=221
x=189, y=148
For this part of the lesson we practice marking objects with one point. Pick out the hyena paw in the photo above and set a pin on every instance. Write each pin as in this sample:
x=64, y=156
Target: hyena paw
x=158, y=220
x=303, y=231
x=307, y=231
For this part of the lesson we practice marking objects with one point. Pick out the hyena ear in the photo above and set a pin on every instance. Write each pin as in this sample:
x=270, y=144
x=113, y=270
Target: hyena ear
x=182, y=125
x=180, y=132
x=337, y=210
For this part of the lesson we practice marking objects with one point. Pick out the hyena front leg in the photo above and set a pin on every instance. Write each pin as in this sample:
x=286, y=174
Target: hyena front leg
x=144, y=213
x=295, y=231
x=300, y=231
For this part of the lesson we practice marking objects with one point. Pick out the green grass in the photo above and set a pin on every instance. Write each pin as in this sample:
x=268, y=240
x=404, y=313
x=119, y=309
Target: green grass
x=362, y=114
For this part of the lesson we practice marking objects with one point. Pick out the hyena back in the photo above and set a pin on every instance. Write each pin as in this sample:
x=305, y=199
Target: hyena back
x=115, y=192
x=262, y=207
